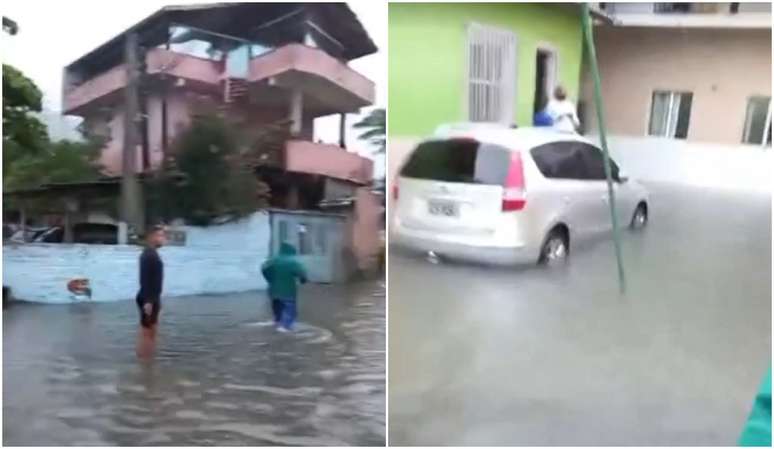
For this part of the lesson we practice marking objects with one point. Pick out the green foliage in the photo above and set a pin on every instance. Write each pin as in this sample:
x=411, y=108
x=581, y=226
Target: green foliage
x=10, y=26
x=23, y=134
x=30, y=159
x=375, y=125
x=61, y=162
x=207, y=179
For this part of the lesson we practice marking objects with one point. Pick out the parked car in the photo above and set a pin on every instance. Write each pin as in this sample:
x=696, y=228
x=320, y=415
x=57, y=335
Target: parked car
x=93, y=233
x=28, y=234
x=498, y=195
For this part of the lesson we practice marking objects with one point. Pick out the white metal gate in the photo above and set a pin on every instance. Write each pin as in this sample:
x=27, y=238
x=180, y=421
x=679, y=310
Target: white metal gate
x=490, y=74
x=318, y=239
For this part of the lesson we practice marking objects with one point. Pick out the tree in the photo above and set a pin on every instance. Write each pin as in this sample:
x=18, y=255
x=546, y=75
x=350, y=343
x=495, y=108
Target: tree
x=23, y=134
x=10, y=26
x=208, y=177
x=375, y=125
x=60, y=162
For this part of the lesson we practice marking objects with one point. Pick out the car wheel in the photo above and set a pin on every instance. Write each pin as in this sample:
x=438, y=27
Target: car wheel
x=640, y=217
x=555, y=249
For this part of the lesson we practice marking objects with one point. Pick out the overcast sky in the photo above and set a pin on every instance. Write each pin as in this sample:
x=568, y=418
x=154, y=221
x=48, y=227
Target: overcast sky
x=54, y=34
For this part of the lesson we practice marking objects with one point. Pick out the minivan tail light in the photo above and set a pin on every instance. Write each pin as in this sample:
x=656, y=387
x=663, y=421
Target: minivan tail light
x=515, y=189
x=395, y=191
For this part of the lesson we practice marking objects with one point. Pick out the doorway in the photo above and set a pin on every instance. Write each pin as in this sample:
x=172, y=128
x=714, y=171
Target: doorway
x=545, y=77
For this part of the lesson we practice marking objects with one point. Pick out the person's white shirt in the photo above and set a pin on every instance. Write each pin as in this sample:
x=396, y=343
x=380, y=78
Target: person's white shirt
x=563, y=114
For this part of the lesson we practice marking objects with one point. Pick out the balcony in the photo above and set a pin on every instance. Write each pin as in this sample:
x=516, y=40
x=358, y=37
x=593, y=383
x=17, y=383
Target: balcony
x=332, y=84
x=105, y=87
x=327, y=160
x=316, y=74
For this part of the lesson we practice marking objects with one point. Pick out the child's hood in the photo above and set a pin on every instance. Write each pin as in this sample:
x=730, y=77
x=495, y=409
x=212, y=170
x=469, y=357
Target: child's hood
x=286, y=249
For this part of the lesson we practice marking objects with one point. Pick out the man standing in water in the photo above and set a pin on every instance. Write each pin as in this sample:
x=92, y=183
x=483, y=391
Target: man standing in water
x=149, y=296
x=283, y=273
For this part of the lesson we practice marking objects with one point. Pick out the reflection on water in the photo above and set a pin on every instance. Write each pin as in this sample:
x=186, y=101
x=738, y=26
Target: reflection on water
x=222, y=375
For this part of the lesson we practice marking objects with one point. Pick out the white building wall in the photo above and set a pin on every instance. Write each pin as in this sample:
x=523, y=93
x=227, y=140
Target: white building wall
x=216, y=259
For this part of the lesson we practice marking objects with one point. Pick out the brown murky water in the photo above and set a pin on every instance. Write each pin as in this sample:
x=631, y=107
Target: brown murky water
x=222, y=376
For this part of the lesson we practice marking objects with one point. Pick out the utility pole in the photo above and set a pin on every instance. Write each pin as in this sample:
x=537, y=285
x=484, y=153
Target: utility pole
x=132, y=211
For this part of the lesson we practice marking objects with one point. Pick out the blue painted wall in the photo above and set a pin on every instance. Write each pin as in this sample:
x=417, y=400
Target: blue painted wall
x=216, y=259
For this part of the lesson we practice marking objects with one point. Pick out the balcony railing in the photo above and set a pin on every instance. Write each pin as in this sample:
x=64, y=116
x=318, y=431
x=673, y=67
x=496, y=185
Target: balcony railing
x=351, y=90
x=327, y=160
x=297, y=58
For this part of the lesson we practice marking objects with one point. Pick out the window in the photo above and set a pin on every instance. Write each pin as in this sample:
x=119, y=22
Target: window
x=757, y=122
x=595, y=163
x=671, y=7
x=305, y=233
x=458, y=160
x=670, y=114
x=572, y=160
x=491, y=79
x=560, y=160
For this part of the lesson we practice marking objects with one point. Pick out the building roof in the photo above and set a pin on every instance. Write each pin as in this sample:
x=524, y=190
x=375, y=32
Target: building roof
x=233, y=19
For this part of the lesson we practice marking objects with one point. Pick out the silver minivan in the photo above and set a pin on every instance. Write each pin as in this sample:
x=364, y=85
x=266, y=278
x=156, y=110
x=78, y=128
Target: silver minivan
x=498, y=195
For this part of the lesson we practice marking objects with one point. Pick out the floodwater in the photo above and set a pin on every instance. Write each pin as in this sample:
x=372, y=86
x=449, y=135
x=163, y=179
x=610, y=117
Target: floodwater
x=499, y=356
x=222, y=376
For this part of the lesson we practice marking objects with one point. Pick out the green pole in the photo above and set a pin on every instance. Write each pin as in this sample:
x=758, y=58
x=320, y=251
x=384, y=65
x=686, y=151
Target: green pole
x=589, y=40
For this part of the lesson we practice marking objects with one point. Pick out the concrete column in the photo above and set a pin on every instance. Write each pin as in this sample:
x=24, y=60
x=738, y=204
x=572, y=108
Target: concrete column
x=343, y=130
x=293, y=200
x=296, y=115
x=23, y=221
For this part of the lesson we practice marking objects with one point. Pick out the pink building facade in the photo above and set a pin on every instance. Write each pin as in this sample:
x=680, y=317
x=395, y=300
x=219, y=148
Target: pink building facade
x=258, y=63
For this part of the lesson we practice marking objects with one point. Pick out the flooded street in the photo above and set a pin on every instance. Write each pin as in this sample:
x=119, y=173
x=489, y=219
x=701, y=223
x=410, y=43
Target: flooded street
x=498, y=356
x=222, y=376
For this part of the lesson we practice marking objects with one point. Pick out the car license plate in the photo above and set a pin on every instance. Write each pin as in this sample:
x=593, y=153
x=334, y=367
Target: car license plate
x=442, y=208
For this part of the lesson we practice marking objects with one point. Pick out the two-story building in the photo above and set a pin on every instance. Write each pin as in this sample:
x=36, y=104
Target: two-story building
x=259, y=63
x=694, y=71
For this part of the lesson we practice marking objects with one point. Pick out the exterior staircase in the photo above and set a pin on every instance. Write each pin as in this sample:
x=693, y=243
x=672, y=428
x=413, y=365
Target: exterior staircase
x=234, y=89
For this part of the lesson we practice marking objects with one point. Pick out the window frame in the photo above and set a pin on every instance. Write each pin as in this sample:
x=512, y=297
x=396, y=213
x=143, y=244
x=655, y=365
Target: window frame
x=766, y=137
x=477, y=33
x=672, y=94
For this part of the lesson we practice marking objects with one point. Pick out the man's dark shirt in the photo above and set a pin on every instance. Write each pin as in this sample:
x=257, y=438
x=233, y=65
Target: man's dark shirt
x=151, y=276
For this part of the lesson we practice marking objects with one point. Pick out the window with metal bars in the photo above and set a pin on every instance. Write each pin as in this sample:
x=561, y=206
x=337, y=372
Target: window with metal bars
x=491, y=79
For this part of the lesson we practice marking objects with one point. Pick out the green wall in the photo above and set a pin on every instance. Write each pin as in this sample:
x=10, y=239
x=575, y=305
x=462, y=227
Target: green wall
x=427, y=52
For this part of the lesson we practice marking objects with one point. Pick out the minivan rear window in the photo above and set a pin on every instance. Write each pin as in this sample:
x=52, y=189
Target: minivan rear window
x=459, y=160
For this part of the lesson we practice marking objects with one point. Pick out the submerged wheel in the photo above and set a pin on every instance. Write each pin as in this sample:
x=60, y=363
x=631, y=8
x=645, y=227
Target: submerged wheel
x=556, y=247
x=640, y=217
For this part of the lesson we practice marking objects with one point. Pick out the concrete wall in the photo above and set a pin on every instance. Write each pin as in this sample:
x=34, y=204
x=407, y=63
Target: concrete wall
x=738, y=167
x=427, y=44
x=216, y=259
x=364, y=225
x=722, y=68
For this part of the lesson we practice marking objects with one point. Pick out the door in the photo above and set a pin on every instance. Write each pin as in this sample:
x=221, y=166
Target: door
x=596, y=185
x=545, y=70
x=318, y=240
x=624, y=200
x=563, y=163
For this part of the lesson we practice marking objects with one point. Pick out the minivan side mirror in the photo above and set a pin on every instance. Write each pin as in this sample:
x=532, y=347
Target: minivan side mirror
x=622, y=177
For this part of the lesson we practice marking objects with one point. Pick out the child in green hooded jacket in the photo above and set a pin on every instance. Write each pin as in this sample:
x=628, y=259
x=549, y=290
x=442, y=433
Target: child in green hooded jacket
x=283, y=273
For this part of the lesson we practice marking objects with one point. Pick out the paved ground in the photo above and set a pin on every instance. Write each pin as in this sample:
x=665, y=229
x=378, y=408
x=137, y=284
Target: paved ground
x=223, y=376
x=491, y=356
